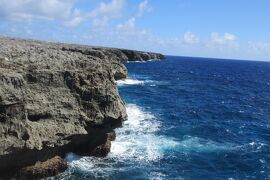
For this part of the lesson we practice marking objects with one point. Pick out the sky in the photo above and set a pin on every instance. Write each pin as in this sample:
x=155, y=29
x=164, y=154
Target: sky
x=234, y=29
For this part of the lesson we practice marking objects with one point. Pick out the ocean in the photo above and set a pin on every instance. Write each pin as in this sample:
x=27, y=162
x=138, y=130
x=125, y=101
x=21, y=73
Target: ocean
x=189, y=118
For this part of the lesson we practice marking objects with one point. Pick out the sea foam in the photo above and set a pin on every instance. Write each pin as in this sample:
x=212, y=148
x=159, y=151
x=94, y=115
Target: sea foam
x=129, y=81
x=137, y=139
x=138, y=143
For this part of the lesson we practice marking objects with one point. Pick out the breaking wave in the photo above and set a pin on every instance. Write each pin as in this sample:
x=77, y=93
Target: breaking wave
x=129, y=81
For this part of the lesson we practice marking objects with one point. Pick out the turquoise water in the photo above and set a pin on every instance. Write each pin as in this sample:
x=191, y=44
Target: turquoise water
x=189, y=118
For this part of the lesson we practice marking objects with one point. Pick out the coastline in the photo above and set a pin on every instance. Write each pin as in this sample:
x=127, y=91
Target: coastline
x=58, y=98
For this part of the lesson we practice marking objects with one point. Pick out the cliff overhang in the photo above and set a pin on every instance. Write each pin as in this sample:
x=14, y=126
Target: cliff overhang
x=57, y=98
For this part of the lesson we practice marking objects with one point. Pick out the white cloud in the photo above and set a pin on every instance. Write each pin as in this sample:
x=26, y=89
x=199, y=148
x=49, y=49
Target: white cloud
x=222, y=39
x=35, y=9
x=130, y=24
x=100, y=22
x=260, y=47
x=74, y=22
x=63, y=10
x=143, y=7
x=100, y=16
x=190, y=38
x=111, y=28
x=112, y=9
x=75, y=19
x=105, y=12
x=127, y=26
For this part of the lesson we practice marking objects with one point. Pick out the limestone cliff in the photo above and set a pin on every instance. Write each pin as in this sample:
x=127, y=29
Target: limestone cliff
x=57, y=98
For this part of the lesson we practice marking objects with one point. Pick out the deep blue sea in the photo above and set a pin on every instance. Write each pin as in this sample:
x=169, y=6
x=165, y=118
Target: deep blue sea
x=189, y=118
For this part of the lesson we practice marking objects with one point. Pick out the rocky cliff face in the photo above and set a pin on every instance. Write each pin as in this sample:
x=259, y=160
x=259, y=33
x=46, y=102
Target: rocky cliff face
x=57, y=98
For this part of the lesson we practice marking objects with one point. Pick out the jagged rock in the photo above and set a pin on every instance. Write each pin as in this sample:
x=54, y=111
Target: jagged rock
x=111, y=136
x=102, y=150
x=57, y=98
x=40, y=170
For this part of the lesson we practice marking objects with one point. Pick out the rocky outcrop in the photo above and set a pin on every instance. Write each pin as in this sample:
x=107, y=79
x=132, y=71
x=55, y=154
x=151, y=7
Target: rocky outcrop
x=57, y=98
x=49, y=168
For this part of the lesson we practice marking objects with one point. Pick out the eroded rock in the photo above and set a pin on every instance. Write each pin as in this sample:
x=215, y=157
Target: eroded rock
x=57, y=98
x=40, y=170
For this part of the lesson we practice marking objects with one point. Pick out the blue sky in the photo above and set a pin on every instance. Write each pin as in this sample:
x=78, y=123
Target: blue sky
x=237, y=29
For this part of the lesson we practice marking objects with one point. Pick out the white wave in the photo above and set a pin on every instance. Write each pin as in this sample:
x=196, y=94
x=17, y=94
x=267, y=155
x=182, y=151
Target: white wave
x=137, y=139
x=145, y=61
x=137, y=142
x=157, y=176
x=196, y=144
x=129, y=81
x=78, y=162
x=136, y=61
x=253, y=146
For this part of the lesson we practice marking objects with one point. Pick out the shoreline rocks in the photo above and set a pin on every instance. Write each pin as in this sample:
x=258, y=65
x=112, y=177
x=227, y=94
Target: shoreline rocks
x=57, y=98
x=40, y=170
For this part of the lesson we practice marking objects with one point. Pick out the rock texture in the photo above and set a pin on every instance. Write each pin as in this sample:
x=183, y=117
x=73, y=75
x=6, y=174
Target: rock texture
x=57, y=98
x=49, y=168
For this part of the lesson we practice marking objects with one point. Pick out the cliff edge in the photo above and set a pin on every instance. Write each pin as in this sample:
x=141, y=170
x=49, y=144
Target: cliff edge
x=57, y=98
